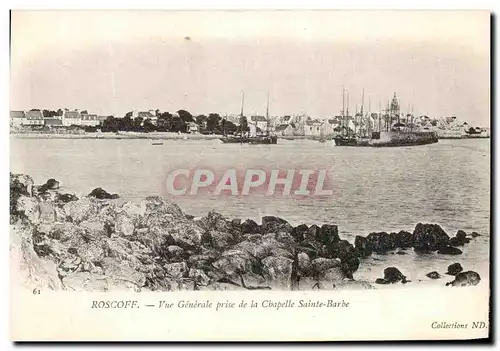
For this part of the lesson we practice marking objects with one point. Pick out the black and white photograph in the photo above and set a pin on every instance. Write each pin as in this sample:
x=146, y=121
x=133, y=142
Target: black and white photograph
x=310, y=152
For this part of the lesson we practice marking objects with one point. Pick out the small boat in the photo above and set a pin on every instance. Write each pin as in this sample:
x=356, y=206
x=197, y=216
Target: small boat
x=156, y=142
x=267, y=138
x=237, y=139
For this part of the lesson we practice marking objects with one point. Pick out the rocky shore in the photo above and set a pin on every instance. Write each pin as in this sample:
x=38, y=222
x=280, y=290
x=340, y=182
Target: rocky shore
x=98, y=243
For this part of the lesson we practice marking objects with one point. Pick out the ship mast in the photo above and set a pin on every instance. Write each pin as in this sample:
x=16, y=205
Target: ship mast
x=362, y=103
x=342, y=124
x=267, y=114
x=241, y=112
x=347, y=111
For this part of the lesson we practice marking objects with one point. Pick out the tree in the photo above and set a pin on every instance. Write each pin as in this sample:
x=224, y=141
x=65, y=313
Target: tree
x=185, y=116
x=127, y=124
x=243, y=127
x=200, y=119
x=165, y=121
x=110, y=124
x=138, y=124
x=129, y=114
x=84, y=112
x=213, y=121
x=59, y=112
x=148, y=125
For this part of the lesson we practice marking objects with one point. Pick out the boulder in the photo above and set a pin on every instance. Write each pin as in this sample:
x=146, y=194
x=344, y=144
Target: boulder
x=350, y=265
x=255, y=248
x=65, y=198
x=50, y=184
x=362, y=246
x=278, y=270
x=175, y=253
x=429, y=237
x=475, y=234
x=313, y=232
x=215, y=221
x=199, y=276
x=448, y=250
x=380, y=242
x=304, y=262
x=454, y=241
x=299, y=232
x=335, y=274
x=461, y=235
x=217, y=239
x=401, y=253
x=393, y=275
x=101, y=194
x=404, y=239
x=272, y=224
x=27, y=208
x=454, y=269
x=433, y=275
x=469, y=278
x=177, y=269
x=328, y=234
x=250, y=227
x=321, y=265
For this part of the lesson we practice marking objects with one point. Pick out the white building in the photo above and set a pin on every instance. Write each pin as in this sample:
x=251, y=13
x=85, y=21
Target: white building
x=89, y=120
x=17, y=118
x=72, y=118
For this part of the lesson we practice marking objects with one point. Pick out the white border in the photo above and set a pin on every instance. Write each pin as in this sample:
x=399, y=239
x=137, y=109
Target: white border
x=186, y=4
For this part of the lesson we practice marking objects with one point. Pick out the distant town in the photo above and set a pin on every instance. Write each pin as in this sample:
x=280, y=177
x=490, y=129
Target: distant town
x=295, y=125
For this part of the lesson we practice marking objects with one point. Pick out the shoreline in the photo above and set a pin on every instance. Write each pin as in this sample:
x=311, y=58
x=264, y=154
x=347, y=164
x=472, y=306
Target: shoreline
x=97, y=243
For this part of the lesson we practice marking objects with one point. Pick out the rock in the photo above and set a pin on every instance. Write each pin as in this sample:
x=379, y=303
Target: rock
x=122, y=272
x=455, y=242
x=47, y=211
x=20, y=185
x=380, y=242
x=433, y=275
x=475, y=234
x=177, y=269
x=404, y=239
x=199, y=276
x=320, y=265
x=335, y=275
x=232, y=263
x=312, y=232
x=328, y=234
x=461, y=235
x=65, y=198
x=448, y=250
x=343, y=249
x=272, y=224
x=304, y=262
x=299, y=233
x=101, y=194
x=250, y=227
x=218, y=240
x=394, y=275
x=51, y=184
x=28, y=208
x=381, y=281
x=362, y=246
x=124, y=225
x=214, y=221
x=454, y=269
x=255, y=248
x=429, y=237
x=175, y=253
x=469, y=278
x=401, y=253
x=350, y=265
x=82, y=209
x=278, y=269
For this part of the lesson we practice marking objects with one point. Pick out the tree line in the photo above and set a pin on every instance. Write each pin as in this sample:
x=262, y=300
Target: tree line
x=167, y=122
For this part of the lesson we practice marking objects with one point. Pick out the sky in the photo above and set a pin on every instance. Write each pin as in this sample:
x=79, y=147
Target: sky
x=112, y=62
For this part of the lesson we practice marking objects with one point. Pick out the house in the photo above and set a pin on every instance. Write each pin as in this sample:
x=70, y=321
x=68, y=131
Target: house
x=313, y=128
x=145, y=115
x=285, y=129
x=330, y=126
x=34, y=118
x=71, y=118
x=259, y=121
x=89, y=120
x=192, y=127
x=17, y=118
x=101, y=119
x=53, y=122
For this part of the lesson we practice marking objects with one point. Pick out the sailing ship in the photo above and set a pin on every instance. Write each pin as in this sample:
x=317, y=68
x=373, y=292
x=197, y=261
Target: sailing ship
x=265, y=138
x=393, y=132
x=234, y=139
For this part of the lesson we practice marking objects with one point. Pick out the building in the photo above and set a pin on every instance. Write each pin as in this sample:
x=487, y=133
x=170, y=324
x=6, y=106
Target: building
x=89, y=120
x=34, y=118
x=145, y=115
x=313, y=128
x=259, y=121
x=17, y=118
x=53, y=122
x=72, y=118
x=284, y=130
x=192, y=127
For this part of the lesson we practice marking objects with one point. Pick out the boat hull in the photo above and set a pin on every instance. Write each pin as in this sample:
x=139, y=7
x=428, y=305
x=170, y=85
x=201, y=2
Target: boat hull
x=267, y=140
x=390, y=139
x=235, y=140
